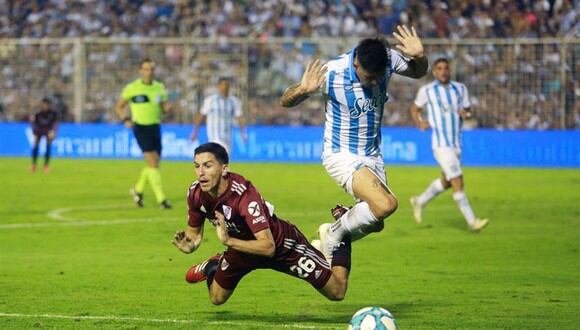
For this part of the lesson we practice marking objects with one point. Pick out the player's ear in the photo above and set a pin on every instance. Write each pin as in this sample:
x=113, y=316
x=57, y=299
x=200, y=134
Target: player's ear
x=225, y=170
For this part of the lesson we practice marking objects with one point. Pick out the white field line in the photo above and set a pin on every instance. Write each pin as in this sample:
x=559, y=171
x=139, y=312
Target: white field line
x=57, y=214
x=85, y=223
x=68, y=221
x=175, y=321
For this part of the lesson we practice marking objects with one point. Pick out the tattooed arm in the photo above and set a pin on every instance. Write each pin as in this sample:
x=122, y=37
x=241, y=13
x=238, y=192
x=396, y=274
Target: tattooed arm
x=311, y=81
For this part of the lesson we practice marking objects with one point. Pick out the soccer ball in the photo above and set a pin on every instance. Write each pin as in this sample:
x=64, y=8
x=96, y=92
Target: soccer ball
x=372, y=318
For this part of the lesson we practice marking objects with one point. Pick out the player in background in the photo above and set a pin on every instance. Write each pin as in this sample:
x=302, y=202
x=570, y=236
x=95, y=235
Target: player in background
x=355, y=87
x=220, y=109
x=255, y=238
x=147, y=99
x=447, y=105
x=44, y=123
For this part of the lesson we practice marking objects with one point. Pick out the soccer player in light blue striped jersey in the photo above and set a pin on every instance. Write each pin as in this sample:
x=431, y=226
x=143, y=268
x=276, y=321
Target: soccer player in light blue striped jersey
x=447, y=104
x=355, y=88
x=220, y=109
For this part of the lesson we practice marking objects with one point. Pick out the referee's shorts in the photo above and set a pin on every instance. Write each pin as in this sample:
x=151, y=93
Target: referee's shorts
x=148, y=137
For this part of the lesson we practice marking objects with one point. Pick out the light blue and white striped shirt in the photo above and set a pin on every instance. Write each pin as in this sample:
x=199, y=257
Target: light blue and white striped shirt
x=220, y=112
x=353, y=112
x=443, y=105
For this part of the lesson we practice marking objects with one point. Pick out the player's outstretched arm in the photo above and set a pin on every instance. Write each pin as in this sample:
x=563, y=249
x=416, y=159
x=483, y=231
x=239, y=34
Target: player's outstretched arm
x=189, y=240
x=312, y=79
x=263, y=245
x=412, y=46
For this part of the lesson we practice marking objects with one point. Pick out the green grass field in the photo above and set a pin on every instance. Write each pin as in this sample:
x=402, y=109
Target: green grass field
x=75, y=253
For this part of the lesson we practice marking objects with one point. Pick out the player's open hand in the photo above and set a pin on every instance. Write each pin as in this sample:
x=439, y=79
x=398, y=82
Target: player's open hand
x=181, y=241
x=51, y=135
x=411, y=45
x=221, y=228
x=313, y=77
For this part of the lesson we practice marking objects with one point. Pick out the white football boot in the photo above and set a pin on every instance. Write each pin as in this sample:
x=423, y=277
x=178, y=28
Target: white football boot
x=478, y=224
x=417, y=209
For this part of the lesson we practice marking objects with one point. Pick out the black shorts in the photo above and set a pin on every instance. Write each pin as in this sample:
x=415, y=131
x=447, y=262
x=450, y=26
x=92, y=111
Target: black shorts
x=148, y=137
x=295, y=257
x=40, y=132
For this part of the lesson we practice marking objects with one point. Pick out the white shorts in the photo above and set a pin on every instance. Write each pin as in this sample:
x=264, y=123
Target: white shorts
x=449, y=161
x=342, y=165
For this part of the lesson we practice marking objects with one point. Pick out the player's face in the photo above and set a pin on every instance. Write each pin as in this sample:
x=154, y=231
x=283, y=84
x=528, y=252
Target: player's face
x=224, y=87
x=209, y=171
x=147, y=70
x=367, y=79
x=441, y=72
x=44, y=106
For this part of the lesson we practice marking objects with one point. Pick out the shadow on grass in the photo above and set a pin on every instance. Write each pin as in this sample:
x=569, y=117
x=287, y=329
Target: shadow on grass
x=339, y=313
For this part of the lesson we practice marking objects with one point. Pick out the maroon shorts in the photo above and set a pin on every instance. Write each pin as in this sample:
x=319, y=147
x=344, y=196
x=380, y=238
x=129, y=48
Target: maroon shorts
x=294, y=256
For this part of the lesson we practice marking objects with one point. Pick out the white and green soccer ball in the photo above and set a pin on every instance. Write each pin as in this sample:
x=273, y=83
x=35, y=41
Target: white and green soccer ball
x=372, y=318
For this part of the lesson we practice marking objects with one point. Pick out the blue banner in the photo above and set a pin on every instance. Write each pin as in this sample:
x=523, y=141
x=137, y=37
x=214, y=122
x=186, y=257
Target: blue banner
x=304, y=144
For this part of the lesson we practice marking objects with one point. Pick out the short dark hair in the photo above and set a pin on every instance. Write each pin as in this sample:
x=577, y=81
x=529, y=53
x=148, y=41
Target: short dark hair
x=373, y=55
x=46, y=100
x=145, y=60
x=222, y=78
x=439, y=60
x=215, y=149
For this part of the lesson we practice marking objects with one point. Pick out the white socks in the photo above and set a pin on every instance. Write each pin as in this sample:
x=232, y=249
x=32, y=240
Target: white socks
x=463, y=203
x=434, y=189
x=353, y=222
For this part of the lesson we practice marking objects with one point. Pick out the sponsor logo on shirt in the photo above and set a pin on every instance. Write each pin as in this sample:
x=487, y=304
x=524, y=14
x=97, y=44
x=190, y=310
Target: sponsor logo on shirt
x=254, y=209
x=259, y=219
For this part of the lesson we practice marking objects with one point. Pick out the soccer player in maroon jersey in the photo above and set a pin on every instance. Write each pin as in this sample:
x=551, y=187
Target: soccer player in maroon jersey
x=254, y=236
x=44, y=123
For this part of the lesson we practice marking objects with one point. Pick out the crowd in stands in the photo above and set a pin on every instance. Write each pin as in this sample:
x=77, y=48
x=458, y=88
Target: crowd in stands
x=286, y=18
x=512, y=86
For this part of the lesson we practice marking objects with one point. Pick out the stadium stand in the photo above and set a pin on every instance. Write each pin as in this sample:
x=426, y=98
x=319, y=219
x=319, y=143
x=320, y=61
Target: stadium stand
x=519, y=58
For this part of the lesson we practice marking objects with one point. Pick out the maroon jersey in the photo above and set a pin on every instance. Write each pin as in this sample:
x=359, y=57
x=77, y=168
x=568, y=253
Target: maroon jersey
x=246, y=213
x=45, y=120
x=243, y=207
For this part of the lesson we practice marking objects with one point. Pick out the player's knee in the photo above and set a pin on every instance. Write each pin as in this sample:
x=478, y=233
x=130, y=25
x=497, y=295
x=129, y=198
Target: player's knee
x=217, y=299
x=386, y=207
x=339, y=293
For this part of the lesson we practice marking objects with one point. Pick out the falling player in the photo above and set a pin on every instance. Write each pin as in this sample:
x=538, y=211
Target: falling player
x=448, y=103
x=254, y=236
x=355, y=87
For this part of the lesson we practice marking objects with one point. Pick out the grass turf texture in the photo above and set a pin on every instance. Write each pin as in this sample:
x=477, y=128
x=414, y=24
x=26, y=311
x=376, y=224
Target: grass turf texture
x=522, y=271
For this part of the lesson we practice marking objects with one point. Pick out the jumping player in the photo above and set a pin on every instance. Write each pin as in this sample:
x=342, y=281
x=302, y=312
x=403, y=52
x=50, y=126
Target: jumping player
x=44, y=123
x=254, y=236
x=355, y=88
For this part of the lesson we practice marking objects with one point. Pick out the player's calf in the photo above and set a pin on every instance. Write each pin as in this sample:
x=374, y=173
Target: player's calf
x=335, y=288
